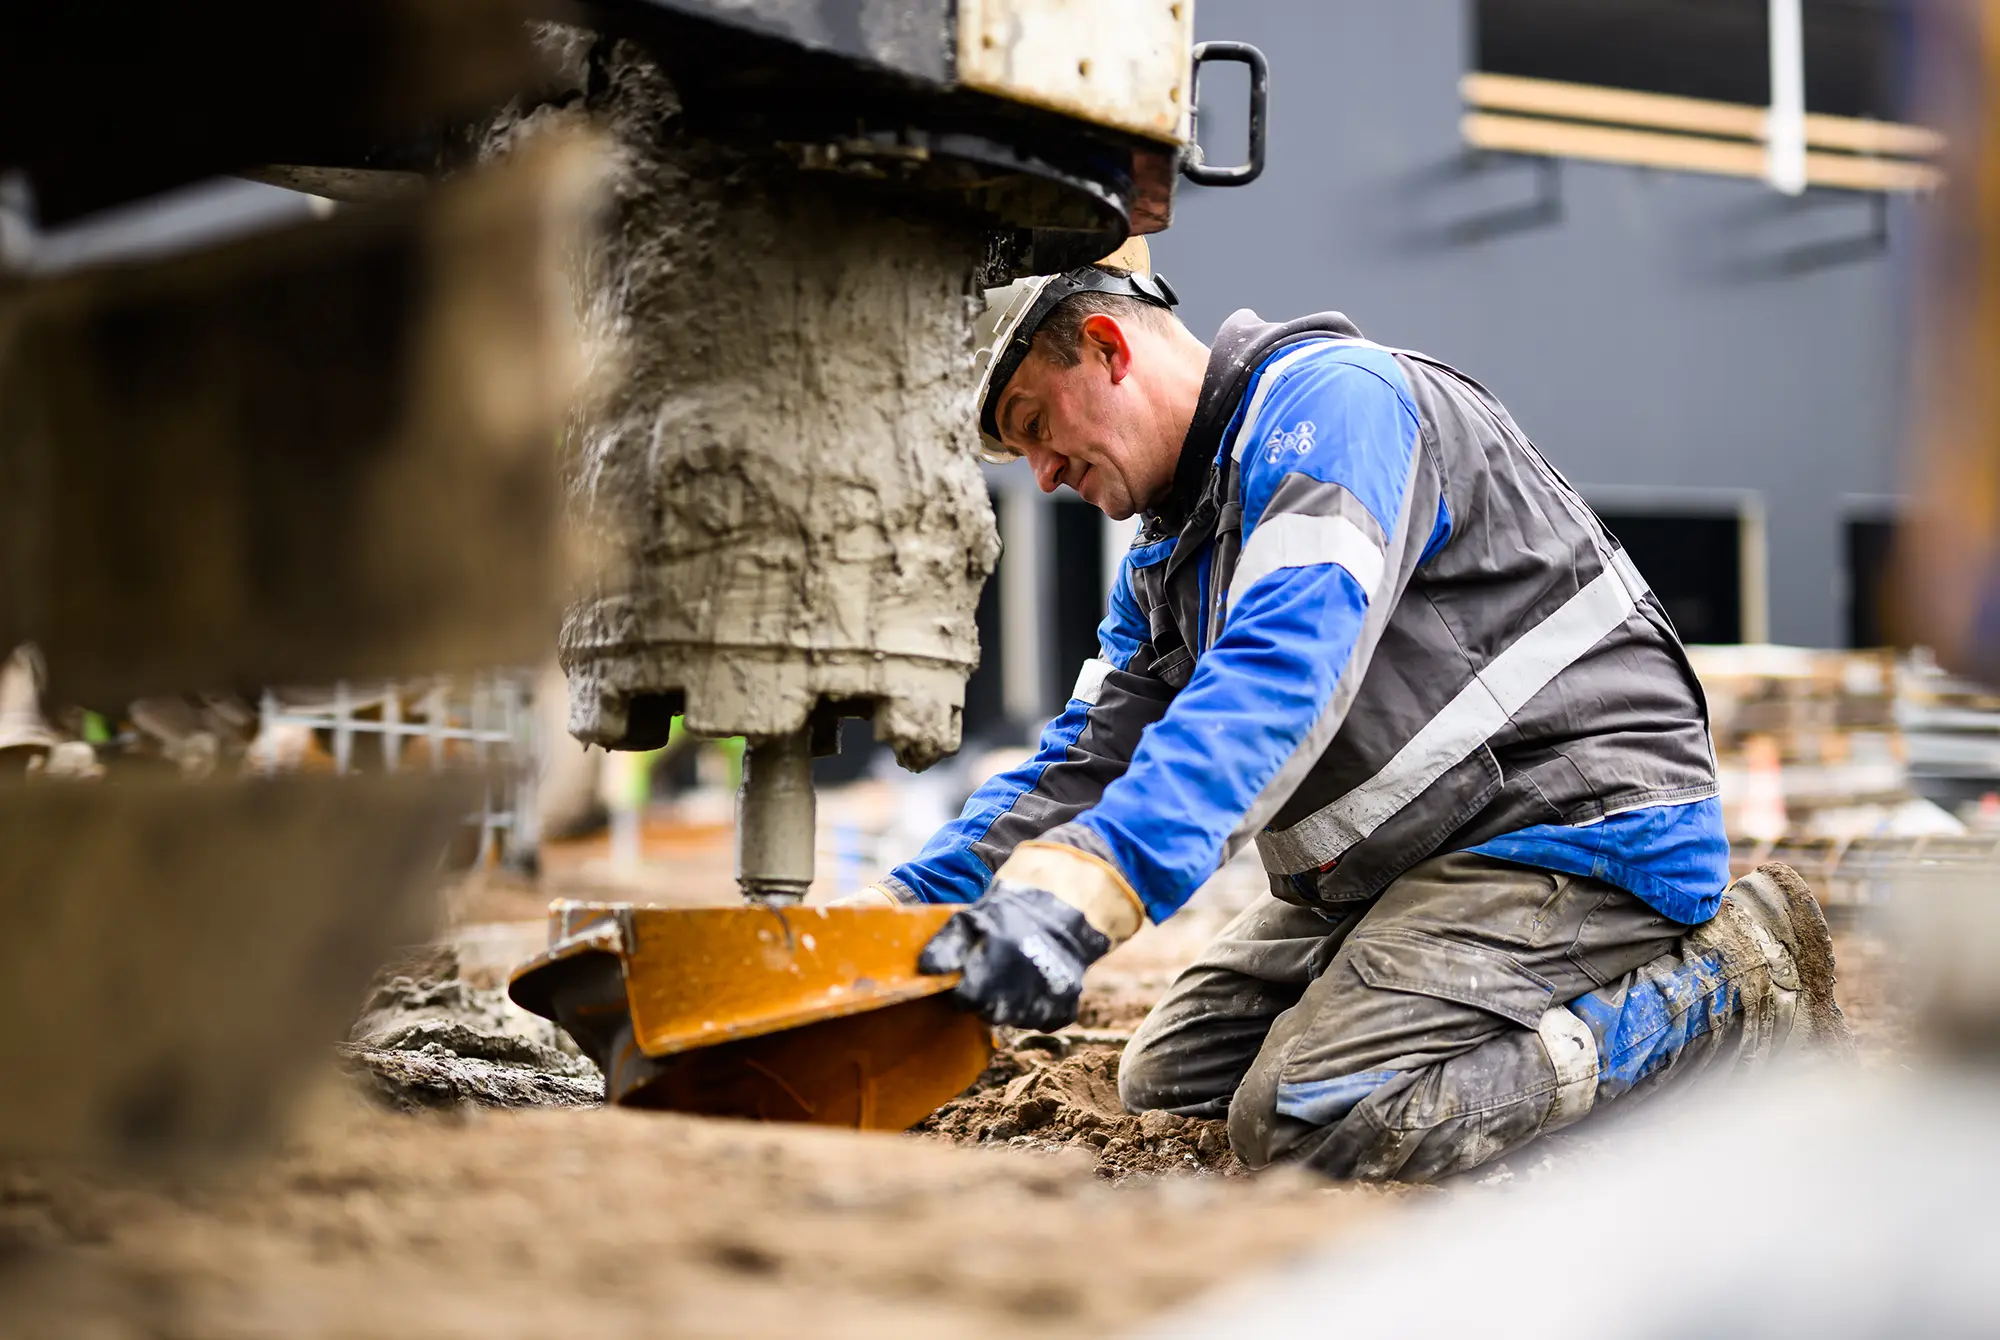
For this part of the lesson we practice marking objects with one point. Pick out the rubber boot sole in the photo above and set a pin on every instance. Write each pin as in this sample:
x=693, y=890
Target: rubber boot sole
x=1788, y=907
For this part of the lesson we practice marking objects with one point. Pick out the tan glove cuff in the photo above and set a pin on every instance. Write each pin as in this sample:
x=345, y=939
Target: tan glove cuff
x=875, y=895
x=1090, y=884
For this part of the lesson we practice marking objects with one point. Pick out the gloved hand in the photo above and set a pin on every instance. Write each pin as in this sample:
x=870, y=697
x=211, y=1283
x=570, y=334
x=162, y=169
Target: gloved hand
x=1022, y=951
x=1050, y=912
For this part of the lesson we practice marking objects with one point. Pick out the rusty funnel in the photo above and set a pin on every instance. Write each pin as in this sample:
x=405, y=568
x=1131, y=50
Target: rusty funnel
x=814, y=1014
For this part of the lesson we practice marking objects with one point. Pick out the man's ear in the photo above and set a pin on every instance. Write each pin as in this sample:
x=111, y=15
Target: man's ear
x=1104, y=341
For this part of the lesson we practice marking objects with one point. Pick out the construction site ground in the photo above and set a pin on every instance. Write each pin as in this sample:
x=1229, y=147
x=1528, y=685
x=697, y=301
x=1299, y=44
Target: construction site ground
x=1032, y=1205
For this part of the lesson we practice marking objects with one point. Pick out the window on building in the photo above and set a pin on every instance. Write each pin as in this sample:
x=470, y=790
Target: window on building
x=1054, y=611
x=1709, y=49
x=1685, y=84
x=1869, y=541
x=1080, y=582
x=985, y=696
x=1694, y=563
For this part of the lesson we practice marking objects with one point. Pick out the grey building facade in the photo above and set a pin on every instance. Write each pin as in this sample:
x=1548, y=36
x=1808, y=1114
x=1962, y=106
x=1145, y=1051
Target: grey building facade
x=1718, y=367
x=1671, y=341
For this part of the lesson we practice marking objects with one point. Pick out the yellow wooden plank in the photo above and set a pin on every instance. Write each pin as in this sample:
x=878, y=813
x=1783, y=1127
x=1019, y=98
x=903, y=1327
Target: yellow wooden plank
x=1872, y=137
x=1702, y=116
x=1591, y=102
x=1608, y=144
x=1684, y=153
x=1845, y=172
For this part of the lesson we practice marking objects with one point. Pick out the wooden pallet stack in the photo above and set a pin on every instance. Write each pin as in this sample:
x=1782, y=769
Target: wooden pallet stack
x=1952, y=733
x=1847, y=873
x=1805, y=739
x=1849, y=765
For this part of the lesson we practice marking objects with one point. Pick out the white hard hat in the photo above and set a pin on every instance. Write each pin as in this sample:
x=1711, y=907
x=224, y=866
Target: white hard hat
x=22, y=725
x=1016, y=311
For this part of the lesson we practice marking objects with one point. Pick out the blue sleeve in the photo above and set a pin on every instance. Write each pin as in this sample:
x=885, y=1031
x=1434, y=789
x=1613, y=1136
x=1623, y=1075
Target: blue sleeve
x=951, y=868
x=1326, y=456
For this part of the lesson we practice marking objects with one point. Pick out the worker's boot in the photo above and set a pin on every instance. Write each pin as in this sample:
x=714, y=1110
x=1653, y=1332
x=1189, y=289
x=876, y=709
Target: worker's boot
x=1771, y=913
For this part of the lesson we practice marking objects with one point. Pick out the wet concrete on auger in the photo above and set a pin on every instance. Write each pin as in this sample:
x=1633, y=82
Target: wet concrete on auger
x=773, y=465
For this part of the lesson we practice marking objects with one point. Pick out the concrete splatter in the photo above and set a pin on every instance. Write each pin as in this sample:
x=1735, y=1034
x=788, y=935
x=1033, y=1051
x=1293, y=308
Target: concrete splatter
x=428, y=1038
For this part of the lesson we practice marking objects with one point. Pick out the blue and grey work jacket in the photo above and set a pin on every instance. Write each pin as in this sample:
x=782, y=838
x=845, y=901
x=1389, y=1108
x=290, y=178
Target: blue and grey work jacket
x=1370, y=625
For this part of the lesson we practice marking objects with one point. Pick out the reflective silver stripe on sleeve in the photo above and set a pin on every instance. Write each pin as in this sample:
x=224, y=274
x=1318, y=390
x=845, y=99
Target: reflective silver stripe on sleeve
x=1292, y=540
x=1475, y=713
x=1265, y=382
x=1090, y=680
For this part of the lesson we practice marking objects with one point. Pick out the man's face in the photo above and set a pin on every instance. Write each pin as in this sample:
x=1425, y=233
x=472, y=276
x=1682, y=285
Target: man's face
x=1090, y=426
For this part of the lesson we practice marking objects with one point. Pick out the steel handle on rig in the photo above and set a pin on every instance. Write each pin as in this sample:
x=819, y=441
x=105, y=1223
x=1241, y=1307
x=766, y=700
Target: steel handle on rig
x=1260, y=102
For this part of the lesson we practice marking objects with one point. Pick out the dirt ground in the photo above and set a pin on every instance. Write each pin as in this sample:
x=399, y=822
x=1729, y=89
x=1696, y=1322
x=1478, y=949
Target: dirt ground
x=450, y=1185
x=554, y=1222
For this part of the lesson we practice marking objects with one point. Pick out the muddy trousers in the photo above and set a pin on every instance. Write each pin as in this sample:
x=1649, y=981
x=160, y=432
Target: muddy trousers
x=1470, y=1007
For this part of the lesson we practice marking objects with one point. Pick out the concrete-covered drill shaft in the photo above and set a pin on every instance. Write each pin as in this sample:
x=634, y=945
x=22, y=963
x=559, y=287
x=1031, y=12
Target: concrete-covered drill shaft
x=778, y=470
x=775, y=819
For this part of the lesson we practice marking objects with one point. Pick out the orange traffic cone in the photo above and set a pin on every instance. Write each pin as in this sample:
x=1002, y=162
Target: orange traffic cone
x=1762, y=816
x=22, y=725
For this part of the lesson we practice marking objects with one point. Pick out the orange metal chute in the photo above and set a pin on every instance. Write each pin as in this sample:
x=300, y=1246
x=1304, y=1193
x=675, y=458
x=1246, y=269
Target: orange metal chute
x=778, y=1014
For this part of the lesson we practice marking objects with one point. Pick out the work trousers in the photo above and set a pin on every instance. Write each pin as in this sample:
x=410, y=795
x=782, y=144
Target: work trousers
x=1470, y=1007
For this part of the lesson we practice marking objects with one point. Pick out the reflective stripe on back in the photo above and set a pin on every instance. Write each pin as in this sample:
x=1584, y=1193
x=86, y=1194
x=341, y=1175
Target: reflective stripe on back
x=1482, y=707
x=1635, y=581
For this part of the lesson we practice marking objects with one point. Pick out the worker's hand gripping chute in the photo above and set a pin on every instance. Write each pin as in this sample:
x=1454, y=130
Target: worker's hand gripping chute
x=1051, y=912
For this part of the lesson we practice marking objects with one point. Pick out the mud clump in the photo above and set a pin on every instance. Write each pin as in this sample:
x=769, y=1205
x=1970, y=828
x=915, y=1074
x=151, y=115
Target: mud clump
x=427, y=1038
x=1045, y=1092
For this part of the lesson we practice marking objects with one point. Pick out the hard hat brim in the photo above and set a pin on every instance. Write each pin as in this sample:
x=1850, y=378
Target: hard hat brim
x=1015, y=302
x=1017, y=311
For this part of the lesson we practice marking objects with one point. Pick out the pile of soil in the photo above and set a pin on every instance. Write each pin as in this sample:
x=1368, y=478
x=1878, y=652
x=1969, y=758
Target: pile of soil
x=429, y=1038
x=1046, y=1091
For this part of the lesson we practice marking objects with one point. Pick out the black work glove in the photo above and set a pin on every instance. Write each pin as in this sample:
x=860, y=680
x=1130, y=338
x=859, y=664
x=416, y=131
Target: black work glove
x=1022, y=951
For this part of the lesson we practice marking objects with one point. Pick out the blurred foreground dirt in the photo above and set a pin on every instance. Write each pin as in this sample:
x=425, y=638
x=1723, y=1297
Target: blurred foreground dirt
x=607, y=1223
x=1064, y=1218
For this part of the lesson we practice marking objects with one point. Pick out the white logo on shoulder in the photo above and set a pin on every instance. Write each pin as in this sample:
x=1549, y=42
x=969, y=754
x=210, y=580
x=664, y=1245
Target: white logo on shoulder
x=1298, y=440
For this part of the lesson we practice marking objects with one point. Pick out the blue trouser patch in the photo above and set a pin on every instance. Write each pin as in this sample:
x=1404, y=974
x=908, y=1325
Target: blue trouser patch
x=1325, y=1101
x=1640, y=1027
x=1644, y=1024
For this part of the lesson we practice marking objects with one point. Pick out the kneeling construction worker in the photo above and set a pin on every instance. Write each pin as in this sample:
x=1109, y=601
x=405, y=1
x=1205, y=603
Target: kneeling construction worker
x=1367, y=626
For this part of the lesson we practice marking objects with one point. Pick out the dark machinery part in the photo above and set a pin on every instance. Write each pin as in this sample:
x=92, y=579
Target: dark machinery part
x=356, y=100
x=105, y=104
x=875, y=88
